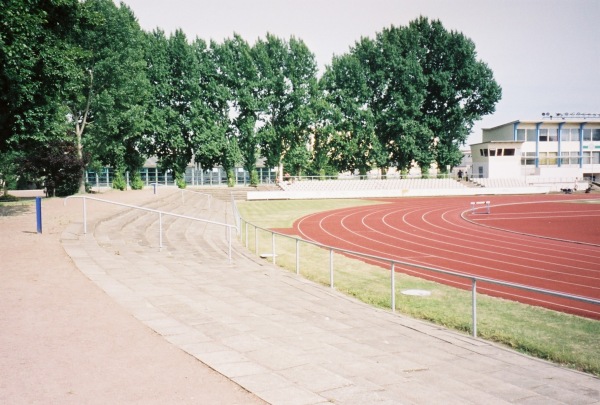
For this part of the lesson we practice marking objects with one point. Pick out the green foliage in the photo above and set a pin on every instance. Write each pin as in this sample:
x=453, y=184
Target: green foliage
x=253, y=177
x=287, y=93
x=136, y=181
x=85, y=69
x=411, y=94
x=37, y=63
x=108, y=99
x=119, y=182
x=58, y=164
x=238, y=81
x=180, y=180
x=8, y=198
x=9, y=168
x=230, y=178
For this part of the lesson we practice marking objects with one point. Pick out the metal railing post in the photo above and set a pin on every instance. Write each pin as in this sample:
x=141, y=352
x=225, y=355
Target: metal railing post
x=229, y=242
x=84, y=217
x=297, y=256
x=474, y=307
x=393, y=283
x=160, y=244
x=331, y=268
x=273, y=246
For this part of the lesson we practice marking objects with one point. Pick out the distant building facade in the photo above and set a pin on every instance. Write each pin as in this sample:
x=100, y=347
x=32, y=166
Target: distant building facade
x=547, y=148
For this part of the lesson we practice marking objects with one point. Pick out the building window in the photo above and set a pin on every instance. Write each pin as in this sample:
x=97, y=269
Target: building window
x=587, y=134
x=552, y=135
x=574, y=135
x=591, y=158
x=569, y=158
x=509, y=152
x=531, y=135
x=543, y=135
x=528, y=159
x=548, y=158
x=596, y=135
x=569, y=135
x=520, y=134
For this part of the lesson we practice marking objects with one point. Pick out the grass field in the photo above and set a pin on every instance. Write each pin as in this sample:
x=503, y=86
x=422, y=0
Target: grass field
x=564, y=339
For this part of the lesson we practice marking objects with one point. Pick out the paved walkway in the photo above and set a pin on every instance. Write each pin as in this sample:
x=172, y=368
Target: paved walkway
x=288, y=340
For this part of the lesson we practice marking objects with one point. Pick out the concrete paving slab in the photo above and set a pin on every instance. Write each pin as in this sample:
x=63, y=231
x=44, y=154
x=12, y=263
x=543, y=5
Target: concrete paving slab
x=292, y=341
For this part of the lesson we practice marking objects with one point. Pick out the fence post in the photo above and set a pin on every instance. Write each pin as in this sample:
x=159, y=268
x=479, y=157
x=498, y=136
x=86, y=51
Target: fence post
x=474, y=307
x=255, y=239
x=160, y=230
x=297, y=256
x=84, y=217
x=331, y=268
x=38, y=213
x=229, y=242
x=393, y=282
x=273, y=246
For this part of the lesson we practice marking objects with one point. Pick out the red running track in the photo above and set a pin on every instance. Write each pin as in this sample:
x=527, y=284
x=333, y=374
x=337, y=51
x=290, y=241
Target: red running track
x=548, y=241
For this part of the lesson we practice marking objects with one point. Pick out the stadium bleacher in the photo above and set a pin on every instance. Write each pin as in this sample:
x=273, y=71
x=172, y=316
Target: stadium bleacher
x=391, y=184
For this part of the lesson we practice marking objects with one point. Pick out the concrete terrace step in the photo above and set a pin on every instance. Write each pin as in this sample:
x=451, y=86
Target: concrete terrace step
x=289, y=340
x=185, y=241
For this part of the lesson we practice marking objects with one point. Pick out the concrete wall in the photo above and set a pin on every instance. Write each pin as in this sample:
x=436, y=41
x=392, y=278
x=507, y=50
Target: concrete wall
x=312, y=195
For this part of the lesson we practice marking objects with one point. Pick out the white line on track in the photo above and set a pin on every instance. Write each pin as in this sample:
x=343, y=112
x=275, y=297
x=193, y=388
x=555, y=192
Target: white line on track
x=356, y=236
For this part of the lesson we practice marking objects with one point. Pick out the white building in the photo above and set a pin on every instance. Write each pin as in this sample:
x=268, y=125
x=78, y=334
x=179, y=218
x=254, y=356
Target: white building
x=550, y=148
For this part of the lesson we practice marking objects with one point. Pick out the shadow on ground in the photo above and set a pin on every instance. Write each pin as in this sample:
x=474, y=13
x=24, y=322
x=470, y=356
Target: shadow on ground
x=14, y=209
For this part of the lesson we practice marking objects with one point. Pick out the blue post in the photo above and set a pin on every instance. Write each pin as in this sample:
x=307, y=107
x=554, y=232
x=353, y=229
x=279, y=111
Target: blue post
x=38, y=212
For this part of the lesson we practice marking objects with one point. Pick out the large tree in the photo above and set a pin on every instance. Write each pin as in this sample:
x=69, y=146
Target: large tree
x=287, y=86
x=238, y=73
x=350, y=140
x=107, y=100
x=218, y=140
x=173, y=71
x=460, y=88
x=424, y=88
x=38, y=61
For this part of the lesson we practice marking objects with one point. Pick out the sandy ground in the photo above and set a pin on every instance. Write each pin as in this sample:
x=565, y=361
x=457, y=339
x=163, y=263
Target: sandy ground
x=64, y=341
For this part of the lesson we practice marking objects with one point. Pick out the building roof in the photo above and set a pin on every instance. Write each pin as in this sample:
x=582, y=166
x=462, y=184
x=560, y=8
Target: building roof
x=498, y=142
x=554, y=120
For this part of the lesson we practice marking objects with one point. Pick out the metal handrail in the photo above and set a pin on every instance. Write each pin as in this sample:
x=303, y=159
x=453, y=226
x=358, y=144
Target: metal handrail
x=160, y=214
x=183, y=190
x=393, y=263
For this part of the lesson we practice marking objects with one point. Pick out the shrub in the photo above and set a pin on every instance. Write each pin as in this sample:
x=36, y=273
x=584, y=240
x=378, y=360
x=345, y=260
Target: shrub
x=58, y=164
x=136, y=182
x=230, y=178
x=8, y=198
x=254, y=178
x=119, y=182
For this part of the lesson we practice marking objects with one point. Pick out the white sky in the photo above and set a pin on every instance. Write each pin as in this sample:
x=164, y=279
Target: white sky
x=545, y=54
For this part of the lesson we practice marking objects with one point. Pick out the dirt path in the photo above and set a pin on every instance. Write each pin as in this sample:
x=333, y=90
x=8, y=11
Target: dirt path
x=63, y=340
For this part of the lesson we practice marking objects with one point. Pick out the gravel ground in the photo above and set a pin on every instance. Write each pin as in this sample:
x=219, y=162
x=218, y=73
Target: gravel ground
x=64, y=341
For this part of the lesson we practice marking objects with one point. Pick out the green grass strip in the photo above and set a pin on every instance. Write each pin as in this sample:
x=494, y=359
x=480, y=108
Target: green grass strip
x=565, y=339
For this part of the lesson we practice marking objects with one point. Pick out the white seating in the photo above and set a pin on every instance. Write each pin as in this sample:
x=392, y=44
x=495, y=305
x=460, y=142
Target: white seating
x=375, y=184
